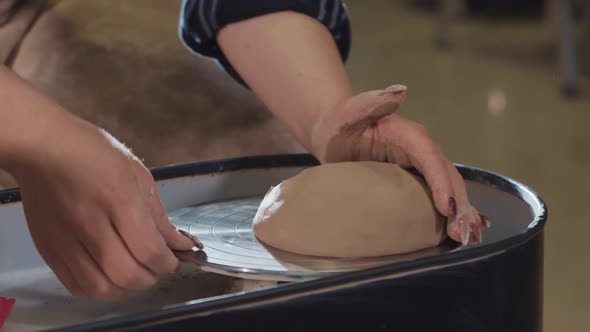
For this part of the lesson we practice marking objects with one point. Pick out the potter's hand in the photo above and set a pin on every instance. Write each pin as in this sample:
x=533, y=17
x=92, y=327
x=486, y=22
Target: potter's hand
x=95, y=215
x=92, y=208
x=364, y=127
x=292, y=64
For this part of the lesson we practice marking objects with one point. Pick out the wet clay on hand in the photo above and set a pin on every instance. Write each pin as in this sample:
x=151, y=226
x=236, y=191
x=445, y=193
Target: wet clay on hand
x=350, y=209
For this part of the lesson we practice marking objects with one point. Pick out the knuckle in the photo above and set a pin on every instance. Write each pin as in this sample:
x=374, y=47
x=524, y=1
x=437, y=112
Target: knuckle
x=147, y=183
x=438, y=150
x=132, y=280
x=123, y=280
x=145, y=176
x=433, y=152
x=105, y=292
x=151, y=256
x=421, y=129
x=131, y=212
x=151, y=282
x=160, y=214
x=77, y=292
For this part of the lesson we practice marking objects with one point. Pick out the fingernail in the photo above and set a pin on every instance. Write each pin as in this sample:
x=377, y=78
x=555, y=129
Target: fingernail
x=452, y=209
x=200, y=254
x=397, y=88
x=485, y=222
x=465, y=232
x=193, y=238
x=475, y=234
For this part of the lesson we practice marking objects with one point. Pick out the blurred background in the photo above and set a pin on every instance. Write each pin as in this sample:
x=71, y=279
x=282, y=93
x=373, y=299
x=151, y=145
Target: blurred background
x=501, y=85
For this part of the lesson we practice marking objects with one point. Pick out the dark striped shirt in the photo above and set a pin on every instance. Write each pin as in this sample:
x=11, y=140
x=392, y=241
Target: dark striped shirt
x=200, y=20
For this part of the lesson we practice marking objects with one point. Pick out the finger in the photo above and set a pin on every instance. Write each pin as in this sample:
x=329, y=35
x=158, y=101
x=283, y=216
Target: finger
x=368, y=149
x=465, y=226
x=61, y=271
x=396, y=155
x=476, y=228
x=438, y=182
x=485, y=221
x=101, y=240
x=68, y=279
x=368, y=107
x=481, y=223
x=426, y=157
x=457, y=229
x=92, y=280
x=459, y=188
x=175, y=239
x=132, y=218
x=44, y=239
x=137, y=228
x=354, y=116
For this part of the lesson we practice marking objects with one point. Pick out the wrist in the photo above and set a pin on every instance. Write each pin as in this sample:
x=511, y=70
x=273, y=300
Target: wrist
x=27, y=143
x=321, y=131
x=27, y=121
x=313, y=124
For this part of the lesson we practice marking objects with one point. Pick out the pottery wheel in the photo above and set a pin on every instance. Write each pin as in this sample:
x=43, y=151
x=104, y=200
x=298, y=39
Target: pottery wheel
x=225, y=229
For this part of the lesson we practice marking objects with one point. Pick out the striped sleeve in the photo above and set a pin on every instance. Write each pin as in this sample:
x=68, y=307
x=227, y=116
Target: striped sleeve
x=200, y=21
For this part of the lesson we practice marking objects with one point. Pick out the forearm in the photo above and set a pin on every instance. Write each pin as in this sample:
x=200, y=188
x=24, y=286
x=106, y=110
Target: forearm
x=292, y=64
x=25, y=116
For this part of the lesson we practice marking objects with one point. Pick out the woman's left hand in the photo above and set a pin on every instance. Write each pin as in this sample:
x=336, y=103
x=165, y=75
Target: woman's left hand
x=365, y=127
x=291, y=62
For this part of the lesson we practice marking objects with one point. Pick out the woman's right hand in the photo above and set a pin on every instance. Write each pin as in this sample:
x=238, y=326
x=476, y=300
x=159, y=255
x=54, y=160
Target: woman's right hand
x=92, y=208
x=95, y=214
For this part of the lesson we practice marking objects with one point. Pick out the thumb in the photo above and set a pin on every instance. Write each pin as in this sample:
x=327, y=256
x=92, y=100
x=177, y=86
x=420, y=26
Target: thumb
x=368, y=107
x=353, y=116
x=176, y=240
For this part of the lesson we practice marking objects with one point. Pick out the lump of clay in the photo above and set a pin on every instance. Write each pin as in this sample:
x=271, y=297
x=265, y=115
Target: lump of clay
x=350, y=209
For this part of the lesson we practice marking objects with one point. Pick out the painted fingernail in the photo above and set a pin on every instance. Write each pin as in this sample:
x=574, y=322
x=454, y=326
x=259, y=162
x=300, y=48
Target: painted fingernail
x=452, y=209
x=465, y=232
x=200, y=254
x=485, y=222
x=193, y=238
x=475, y=234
